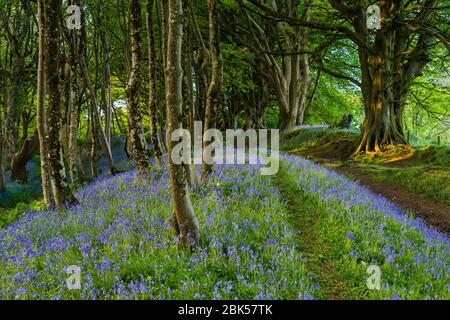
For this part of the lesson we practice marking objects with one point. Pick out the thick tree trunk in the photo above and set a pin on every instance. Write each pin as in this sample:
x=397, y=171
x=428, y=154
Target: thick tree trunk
x=387, y=74
x=152, y=83
x=184, y=220
x=61, y=191
x=396, y=58
x=137, y=138
x=216, y=77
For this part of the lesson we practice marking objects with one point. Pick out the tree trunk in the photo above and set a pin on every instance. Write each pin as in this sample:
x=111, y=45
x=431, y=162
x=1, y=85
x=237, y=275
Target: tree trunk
x=184, y=220
x=2, y=159
x=137, y=137
x=106, y=147
x=387, y=74
x=201, y=66
x=188, y=112
x=106, y=87
x=41, y=120
x=291, y=78
x=61, y=191
x=216, y=77
x=21, y=158
x=152, y=83
x=75, y=168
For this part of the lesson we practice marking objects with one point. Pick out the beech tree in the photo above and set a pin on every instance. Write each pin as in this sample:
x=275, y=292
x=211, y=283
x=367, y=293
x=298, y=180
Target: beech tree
x=216, y=75
x=97, y=128
x=391, y=57
x=291, y=79
x=185, y=222
x=18, y=29
x=2, y=161
x=60, y=189
x=41, y=119
x=136, y=132
x=152, y=83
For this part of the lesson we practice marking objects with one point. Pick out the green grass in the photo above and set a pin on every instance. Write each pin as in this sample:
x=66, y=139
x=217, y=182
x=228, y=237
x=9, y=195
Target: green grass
x=304, y=216
x=347, y=229
x=120, y=237
x=430, y=181
x=8, y=216
x=424, y=170
x=305, y=138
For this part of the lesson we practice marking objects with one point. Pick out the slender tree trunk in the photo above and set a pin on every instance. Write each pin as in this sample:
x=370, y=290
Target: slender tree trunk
x=202, y=66
x=184, y=220
x=216, y=78
x=152, y=83
x=2, y=159
x=106, y=87
x=137, y=137
x=106, y=147
x=9, y=129
x=41, y=115
x=61, y=191
x=75, y=168
x=188, y=110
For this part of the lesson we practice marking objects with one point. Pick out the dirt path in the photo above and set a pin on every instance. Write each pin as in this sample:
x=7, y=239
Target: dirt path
x=435, y=214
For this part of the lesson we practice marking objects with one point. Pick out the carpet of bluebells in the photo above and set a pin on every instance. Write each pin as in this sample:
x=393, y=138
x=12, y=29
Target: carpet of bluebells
x=121, y=238
x=367, y=229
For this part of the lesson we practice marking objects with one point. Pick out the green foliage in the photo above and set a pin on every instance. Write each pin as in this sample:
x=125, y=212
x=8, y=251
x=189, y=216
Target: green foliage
x=305, y=138
x=431, y=182
x=9, y=216
x=350, y=236
x=334, y=99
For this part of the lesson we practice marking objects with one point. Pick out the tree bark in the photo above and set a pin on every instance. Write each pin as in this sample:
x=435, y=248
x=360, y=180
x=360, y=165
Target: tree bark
x=201, y=66
x=76, y=171
x=185, y=222
x=61, y=192
x=152, y=83
x=387, y=74
x=106, y=87
x=93, y=100
x=21, y=158
x=290, y=80
x=216, y=77
x=41, y=120
x=137, y=137
x=2, y=159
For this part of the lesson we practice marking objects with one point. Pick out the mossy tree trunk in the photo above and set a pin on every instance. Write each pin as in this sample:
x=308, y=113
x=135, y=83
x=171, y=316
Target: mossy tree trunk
x=61, y=192
x=388, y=70
x=136, y=131
x=152, y=83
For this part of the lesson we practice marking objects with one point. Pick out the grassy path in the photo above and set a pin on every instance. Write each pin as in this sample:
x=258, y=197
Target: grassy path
x=313, y=243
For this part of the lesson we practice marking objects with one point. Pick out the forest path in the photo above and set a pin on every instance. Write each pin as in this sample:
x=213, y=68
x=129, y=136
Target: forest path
x=303, y=216
x=433, y=213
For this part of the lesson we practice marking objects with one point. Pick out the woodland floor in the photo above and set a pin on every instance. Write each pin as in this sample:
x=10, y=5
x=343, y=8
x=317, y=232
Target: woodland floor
x=434, y=213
